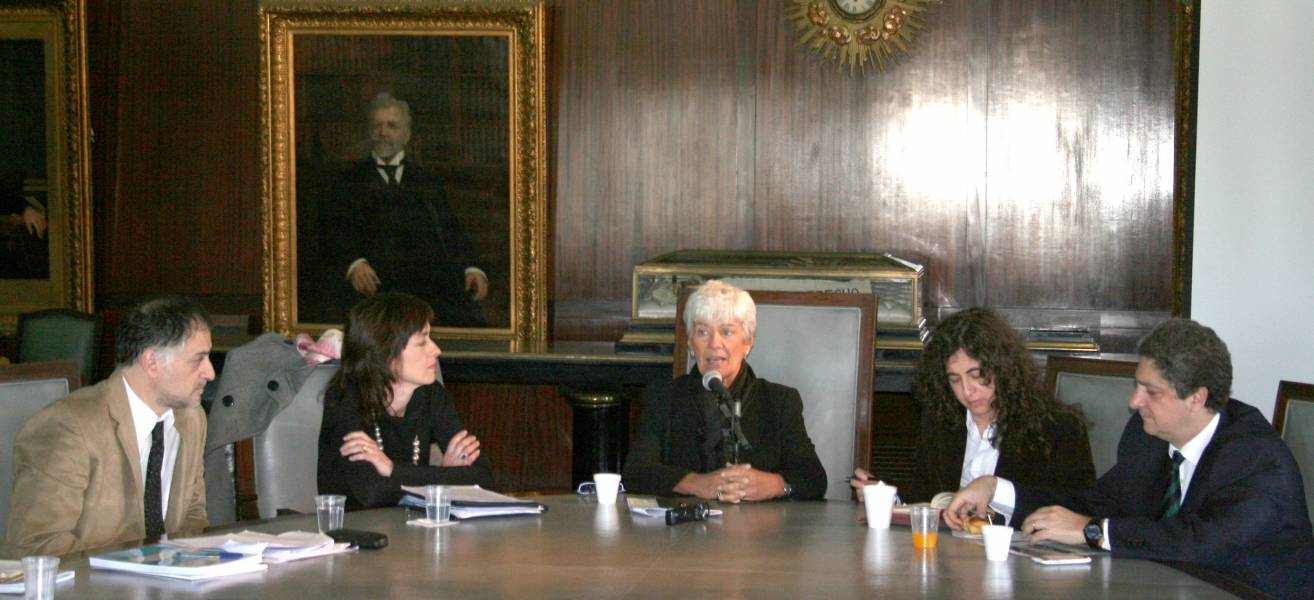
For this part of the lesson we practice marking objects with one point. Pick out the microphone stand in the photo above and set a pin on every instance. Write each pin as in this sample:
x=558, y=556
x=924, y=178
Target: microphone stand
x=735, y=432
x=731, y=408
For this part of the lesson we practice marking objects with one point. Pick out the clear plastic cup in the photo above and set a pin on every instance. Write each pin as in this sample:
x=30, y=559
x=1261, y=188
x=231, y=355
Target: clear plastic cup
x=328, y=511
x=925, y=526
x=39, y=577
x=437, y=504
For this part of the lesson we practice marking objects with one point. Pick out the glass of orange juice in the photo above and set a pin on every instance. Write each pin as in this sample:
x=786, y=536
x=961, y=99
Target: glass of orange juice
x=925, y=526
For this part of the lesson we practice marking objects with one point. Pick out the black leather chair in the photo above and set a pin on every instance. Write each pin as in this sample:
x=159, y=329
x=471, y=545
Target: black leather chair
x=61, y=334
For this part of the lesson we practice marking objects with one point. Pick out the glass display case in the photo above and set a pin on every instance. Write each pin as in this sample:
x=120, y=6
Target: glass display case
x=897, y=283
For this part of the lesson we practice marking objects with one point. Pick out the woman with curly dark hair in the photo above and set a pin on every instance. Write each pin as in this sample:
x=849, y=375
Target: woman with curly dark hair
x=984, y=412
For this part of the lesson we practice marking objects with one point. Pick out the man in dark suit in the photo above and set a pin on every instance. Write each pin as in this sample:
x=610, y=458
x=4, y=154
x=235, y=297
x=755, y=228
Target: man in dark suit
x=1200, y=478
x=393, y=229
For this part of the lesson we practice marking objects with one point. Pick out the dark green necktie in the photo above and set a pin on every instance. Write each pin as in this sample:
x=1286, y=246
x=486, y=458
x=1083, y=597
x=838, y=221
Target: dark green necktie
x=1172, y=498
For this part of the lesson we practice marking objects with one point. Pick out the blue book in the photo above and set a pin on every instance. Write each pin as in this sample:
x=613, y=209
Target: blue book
x=164, y=560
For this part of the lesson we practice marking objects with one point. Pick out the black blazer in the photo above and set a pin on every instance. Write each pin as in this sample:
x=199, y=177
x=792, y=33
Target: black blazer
x=1244, y=513
x=939, y=464
x=668, y=445
x=409, y=234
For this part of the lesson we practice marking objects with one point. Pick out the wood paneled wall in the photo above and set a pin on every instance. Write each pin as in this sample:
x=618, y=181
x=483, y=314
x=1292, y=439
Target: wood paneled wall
x=175, y=113
x=1023, y=152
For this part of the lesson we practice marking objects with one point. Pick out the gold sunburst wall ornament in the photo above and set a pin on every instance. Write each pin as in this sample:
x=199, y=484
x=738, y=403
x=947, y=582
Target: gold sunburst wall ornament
x=858, y=32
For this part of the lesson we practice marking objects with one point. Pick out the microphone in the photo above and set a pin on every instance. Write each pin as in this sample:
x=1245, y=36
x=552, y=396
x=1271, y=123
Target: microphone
x=712, y=383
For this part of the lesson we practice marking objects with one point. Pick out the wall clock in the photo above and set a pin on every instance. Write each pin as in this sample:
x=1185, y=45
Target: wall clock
x=858, y=32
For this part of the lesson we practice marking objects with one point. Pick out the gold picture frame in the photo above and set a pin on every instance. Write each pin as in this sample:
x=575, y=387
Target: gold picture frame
x=471, y=78
x=46, y=194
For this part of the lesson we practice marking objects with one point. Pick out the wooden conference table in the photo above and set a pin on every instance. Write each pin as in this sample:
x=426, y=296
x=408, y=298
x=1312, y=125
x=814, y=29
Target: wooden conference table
x=579, y=549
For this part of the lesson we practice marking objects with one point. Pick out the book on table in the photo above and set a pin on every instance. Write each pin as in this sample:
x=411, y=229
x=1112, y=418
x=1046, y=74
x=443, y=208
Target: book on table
x=474, y=502
x=191, y=564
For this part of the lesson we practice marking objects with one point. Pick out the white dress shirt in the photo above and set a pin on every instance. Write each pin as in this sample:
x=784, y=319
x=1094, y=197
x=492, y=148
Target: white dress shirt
x=144, y=420
x=979, y=456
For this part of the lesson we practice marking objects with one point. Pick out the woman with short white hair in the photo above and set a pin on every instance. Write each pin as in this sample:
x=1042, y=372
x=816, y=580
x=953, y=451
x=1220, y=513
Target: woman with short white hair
x=681, y=445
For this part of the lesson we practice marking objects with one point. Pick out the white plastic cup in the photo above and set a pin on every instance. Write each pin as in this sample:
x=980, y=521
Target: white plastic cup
x=878, y=498
x=607, y=485
x=39, y=577
x=998, y=539
x=437, y=504
x=328, y=511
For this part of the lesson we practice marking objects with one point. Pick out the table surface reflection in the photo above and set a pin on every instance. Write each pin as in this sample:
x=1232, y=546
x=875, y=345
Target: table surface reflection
x=579, y=549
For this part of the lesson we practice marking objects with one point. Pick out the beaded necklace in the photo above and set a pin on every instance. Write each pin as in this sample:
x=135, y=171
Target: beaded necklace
x=415, y=444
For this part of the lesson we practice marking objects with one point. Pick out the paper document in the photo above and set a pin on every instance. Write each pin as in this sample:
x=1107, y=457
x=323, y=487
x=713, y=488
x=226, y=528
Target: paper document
x=474, y=502
x=280, y=548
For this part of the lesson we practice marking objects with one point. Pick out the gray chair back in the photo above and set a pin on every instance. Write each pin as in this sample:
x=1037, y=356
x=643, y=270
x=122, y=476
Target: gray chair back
x=24, y=390
x=1294, y=419
x=287, y=452
x=821, y=344
x=1102, y=388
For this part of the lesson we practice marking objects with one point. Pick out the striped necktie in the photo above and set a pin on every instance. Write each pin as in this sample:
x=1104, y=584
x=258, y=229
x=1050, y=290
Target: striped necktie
x=1172, y=497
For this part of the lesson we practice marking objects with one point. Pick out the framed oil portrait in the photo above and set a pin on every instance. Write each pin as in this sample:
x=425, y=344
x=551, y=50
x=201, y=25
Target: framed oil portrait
x=404, y=151
x=45, y=214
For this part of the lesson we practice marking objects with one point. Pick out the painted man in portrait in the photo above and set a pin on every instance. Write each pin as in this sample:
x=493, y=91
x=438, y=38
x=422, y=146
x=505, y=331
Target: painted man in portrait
x=393, y=229
x=24, y=249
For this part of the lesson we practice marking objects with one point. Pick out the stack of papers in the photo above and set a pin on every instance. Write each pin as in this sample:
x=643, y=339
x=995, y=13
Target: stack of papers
x=273, y=549
x=474, y=502
x=188, y=564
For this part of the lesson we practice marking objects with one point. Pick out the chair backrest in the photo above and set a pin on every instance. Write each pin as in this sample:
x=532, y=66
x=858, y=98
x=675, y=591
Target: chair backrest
x=1293, y=417
x=24, y=390
x=823, y=345
x=60, y=334
x=1102, y=388
x=287, y=452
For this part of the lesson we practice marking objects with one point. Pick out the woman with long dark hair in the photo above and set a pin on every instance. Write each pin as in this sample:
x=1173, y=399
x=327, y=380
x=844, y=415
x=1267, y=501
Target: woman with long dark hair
x=385, y=406
x=984, y=412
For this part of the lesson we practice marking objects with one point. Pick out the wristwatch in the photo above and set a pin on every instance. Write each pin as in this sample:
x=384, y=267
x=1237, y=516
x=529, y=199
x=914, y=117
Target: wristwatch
x=789, y=490
x=1094, y=532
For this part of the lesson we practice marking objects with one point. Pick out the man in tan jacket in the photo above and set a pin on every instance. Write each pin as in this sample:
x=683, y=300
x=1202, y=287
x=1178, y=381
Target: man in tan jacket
x=122, y=460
